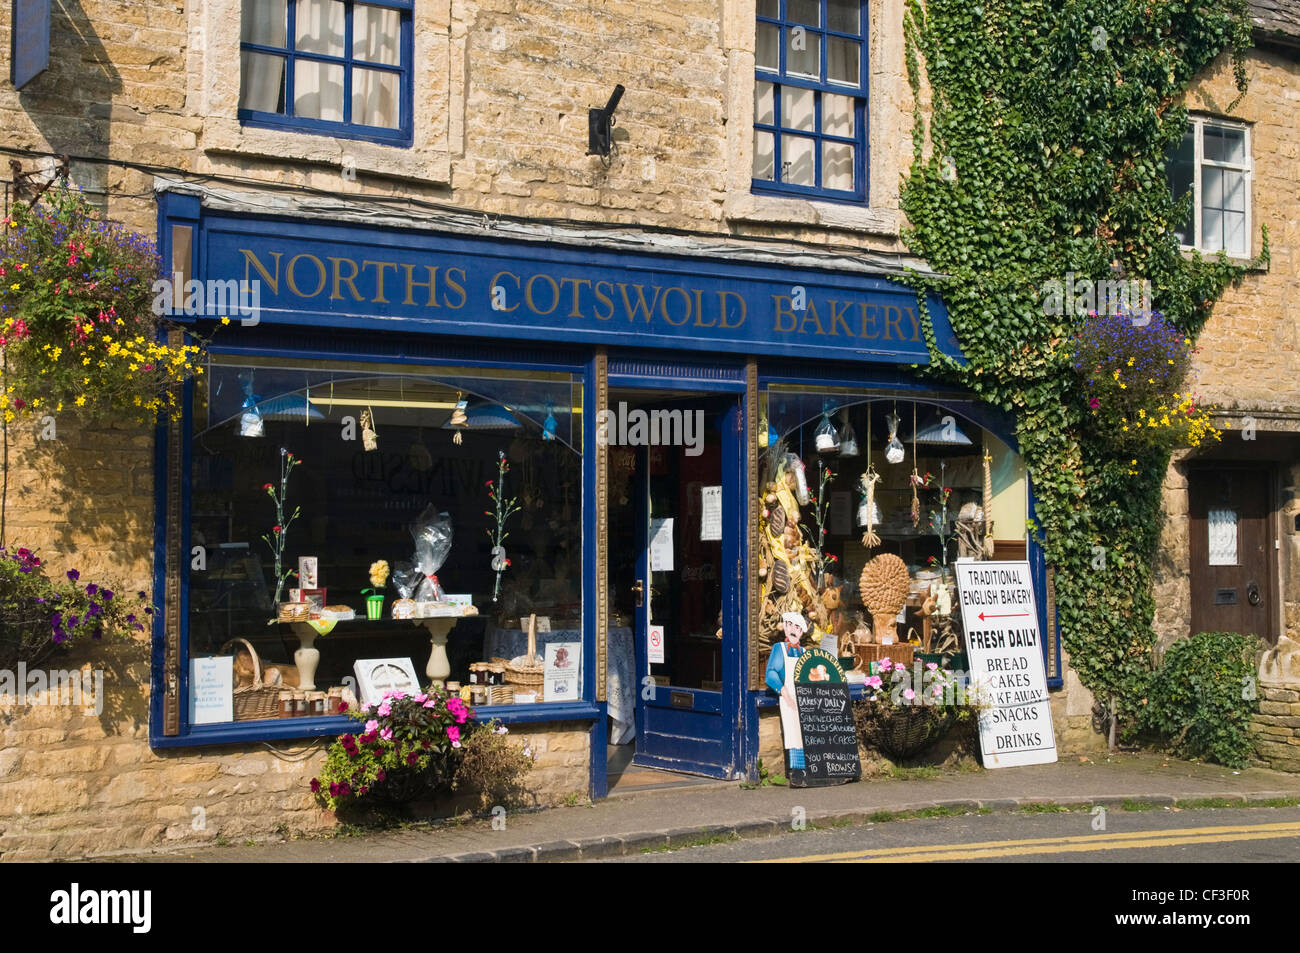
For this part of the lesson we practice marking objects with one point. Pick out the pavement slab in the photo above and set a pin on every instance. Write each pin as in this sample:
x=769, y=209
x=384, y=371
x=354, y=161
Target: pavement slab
x=655, y=819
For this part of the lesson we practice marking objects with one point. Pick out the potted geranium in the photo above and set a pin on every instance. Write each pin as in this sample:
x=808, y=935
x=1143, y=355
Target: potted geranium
x=406, y=751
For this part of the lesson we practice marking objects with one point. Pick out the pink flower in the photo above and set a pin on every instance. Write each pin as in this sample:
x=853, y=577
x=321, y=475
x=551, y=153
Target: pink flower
x=909, y=694
x=384, y=709
x=1093, y=403
x=932, y=666
x=886, y=665
x=421, y=698
x=431, y=703
x=874, y=681
x=386, y=734
x=372, y=725
x=454, y=734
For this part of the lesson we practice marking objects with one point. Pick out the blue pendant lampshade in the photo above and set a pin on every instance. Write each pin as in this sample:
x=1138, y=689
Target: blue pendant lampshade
x=942, y=432
x=491, y=417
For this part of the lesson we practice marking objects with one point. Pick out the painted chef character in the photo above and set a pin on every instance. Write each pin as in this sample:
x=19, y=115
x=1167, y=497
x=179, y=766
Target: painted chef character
x=780, y=678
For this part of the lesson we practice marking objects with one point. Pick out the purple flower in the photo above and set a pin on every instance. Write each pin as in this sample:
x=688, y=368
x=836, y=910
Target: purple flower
x=73, y=575
x=106, y=595
x=91, y=589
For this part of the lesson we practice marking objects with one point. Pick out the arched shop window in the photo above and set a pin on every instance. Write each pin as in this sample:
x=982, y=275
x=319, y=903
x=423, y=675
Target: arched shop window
x=383, y=454
x=846, y=432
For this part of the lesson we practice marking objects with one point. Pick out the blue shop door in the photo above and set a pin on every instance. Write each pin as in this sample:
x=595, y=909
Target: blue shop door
x=688, y=543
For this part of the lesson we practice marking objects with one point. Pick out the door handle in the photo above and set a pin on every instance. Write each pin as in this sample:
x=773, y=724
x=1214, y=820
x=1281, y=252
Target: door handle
x=638, y=590
x=1252, y=593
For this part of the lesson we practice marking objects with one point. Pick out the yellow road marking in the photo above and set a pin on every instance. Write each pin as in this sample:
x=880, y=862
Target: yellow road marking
x=1070, y=844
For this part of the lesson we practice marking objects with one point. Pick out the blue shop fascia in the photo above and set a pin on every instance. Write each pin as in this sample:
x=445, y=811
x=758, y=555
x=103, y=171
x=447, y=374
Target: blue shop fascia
x=625, y=397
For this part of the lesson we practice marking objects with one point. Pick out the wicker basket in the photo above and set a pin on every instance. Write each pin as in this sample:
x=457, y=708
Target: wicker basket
x=257, y=701
x=528, y=675
x=900, y=653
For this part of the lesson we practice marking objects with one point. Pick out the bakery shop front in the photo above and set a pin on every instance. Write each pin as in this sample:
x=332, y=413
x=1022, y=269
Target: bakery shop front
x=534, y=466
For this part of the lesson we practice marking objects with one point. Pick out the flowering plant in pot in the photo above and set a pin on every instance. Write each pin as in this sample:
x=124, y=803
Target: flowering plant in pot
x=78, y=326
x=904, y=711
x=1134, y=374
x=40, y=615
x=407, y=750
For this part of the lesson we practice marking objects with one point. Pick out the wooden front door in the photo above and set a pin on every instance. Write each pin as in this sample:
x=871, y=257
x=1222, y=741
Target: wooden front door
x=1232, y=551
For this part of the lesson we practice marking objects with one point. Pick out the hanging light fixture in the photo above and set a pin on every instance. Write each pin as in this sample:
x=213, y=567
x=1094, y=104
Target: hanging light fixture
x=491, y=417
x=941, y=429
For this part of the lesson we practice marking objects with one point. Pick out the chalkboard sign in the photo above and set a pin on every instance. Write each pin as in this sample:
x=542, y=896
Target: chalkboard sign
x=830, y=738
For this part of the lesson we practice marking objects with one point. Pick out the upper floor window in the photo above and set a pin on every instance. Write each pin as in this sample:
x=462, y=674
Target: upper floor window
x=328, y=66
x=1213, y=163
x=810, y=98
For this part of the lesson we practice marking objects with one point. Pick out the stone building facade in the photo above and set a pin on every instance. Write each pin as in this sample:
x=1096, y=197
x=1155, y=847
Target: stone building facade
x=1232, y=509
x=140, y=92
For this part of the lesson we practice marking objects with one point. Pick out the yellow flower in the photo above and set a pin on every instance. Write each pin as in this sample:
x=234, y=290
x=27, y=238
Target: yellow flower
x=1130, y=362
x=224, y=319
x=87, y=328
x=81, y=398
x=15, y=286
x=1132, y=463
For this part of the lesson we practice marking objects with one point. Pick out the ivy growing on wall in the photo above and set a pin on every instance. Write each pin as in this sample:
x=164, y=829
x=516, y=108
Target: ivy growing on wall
x=1041, y=154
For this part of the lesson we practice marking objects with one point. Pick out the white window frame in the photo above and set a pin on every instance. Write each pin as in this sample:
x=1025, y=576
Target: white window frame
x=1198, y=125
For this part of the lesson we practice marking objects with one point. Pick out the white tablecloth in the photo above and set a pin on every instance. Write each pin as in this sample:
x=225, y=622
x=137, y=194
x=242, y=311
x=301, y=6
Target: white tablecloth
x=620, y=684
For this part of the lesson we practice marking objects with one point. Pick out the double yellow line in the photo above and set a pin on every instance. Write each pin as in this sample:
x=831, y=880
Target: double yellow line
x=1080, y=844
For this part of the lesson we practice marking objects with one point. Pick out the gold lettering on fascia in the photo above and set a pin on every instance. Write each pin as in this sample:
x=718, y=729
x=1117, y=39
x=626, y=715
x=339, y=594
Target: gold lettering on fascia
x=639, y=304
x=851, y=319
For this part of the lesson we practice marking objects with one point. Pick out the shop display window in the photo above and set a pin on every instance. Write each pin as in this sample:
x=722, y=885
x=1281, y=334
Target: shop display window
x=377, y=486
x=942, y=488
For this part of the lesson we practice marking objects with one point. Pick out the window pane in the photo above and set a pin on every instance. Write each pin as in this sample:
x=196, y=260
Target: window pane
x=842, y=61
x=766, y=47
x=797, y=109
x=769, y=8
x=763, y=155
x=1181, y=168
x=1222, y=526
x=837, y=115
x=1234, y=190
x=1234, y=234
x=803, y=55
x=797, y=161
x=807, y=12
x=843, y=15
x=376, y=99
x=358, y=506
x=321, y=25
x=837, y=166
x=1212, y=187
x=1211, y=229
x=264, y=22
x=376, y=34
x=261, y=82
x=318, y=90
x=1223, y=144
x=763, y=103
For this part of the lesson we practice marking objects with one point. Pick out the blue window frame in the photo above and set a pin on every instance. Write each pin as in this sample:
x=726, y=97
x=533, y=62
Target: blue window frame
x=333, y=67
x=810, y=117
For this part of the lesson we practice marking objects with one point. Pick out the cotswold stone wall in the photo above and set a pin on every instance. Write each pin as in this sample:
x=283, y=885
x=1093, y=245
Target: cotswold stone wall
x=1248, y=362
x=79, y=780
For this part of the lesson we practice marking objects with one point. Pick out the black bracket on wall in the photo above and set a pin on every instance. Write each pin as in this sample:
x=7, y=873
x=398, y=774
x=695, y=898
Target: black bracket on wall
x=600, y=125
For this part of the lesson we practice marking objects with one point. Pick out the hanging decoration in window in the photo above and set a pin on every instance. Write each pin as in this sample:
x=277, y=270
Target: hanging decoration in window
x=369, y=437
x=894, y=453
x=505, y=508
